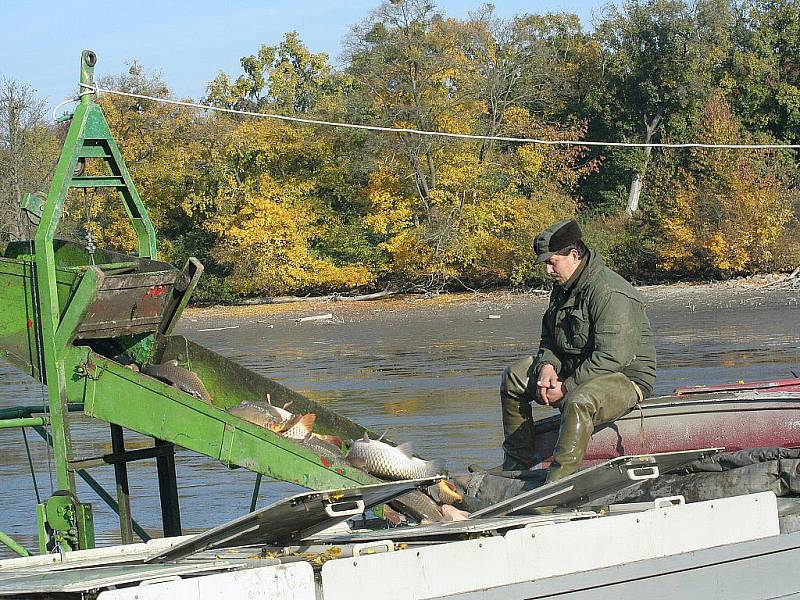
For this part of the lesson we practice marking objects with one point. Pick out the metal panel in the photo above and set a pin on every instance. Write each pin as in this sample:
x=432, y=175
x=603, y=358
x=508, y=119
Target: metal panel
x=282, y=582
x=426, y=572
x=454, y=530
x=594, y=482
x=90, y=578
x=597, y=543
x=533, y=554
x=294, y=518
x=763, y=568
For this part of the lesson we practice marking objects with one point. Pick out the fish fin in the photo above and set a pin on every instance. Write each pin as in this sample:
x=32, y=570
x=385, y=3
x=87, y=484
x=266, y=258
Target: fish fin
x=336, y=441
x=286, y=405
x=435, y=467
x=269, y=400
x=365, y=438
x=358, y=463
x=307, y=420
x=383, y=435
x=406, y=449
x=171, y=363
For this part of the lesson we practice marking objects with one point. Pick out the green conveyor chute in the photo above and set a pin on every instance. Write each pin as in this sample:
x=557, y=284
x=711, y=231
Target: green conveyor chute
x=76, y=317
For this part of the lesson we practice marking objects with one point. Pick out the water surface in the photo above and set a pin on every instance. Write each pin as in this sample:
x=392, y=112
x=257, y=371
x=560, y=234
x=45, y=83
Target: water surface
x=426, y=371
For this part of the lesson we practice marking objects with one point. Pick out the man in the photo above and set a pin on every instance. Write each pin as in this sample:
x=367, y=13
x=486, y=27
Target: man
x=596, y=358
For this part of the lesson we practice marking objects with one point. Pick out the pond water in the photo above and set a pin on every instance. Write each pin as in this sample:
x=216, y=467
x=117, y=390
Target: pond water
x=427, y=371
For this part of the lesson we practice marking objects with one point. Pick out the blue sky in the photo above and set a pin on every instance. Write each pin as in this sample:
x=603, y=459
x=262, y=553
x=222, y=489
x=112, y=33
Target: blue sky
x=188, y=42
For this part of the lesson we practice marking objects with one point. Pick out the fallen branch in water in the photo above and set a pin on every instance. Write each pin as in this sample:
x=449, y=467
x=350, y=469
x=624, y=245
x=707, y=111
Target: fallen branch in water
x=325, y=317
x=364, y=297
x=326, y=298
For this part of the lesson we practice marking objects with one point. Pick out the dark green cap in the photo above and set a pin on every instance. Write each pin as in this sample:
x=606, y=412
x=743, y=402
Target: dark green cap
x=556, y=237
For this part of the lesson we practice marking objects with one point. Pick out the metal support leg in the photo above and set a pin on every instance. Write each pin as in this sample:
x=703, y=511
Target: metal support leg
x=123, y=493
x=168, y=488
x=256, y=489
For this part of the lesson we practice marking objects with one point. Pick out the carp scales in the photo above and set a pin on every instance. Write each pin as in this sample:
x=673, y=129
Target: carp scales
x=183, y=379
x=298, y=430
x=389, y=462
x=323, y=446
x=270, y=417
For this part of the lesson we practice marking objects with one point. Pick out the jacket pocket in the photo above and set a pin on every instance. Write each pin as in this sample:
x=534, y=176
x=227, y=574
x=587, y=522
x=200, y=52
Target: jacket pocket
x=576, y=329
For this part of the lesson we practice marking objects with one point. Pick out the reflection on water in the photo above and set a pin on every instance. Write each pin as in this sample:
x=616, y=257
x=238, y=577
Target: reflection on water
x=427, y=375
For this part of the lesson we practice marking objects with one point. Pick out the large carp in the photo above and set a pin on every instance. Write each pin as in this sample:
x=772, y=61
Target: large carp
x=389, y=462
x=183, y=379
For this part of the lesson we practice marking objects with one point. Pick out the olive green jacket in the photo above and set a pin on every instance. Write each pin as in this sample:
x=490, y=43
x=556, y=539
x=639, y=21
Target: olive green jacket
x=596, y=325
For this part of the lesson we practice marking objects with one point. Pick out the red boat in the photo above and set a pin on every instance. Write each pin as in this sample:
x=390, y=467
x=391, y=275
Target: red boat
x=734, y=416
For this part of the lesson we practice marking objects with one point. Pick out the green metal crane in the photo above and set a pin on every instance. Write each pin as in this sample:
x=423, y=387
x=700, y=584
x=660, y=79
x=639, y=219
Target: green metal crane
x=76, y=317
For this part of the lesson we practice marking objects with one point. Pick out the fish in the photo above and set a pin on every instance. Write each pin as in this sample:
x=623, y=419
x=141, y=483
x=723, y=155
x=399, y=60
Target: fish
x=389, y=462
x=445, y=492
x=269, y=417
x=183, y=379
x=300, y=427
x=323, y=447
x=259, y=414
x=419, y=506
x=451, y=514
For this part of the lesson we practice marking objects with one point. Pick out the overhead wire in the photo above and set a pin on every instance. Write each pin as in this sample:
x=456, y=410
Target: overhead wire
x=96, y=89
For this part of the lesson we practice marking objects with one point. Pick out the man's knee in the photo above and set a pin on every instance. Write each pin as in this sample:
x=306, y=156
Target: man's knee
x=515, y=379
x=605, y=398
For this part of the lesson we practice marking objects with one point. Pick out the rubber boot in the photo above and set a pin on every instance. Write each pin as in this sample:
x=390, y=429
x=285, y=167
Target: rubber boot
x=601, y=400
x=577, y=425
x=515, y=399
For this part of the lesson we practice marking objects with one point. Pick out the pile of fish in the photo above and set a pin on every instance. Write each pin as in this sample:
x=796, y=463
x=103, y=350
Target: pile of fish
x=289, y=425
x=376, y=457
x=373, y=456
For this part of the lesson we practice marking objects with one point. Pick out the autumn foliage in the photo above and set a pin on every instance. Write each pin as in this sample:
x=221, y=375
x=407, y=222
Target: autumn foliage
x=274, y=207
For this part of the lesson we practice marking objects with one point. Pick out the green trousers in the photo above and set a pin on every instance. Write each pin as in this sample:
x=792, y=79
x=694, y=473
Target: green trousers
x=598, y=401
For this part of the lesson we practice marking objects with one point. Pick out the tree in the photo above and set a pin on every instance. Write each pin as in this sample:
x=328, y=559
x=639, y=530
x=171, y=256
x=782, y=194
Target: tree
x=764, y=78
x=529, y=61
x=725, y=212
x=162, y=146
x=286, y=78
x=28, y=152
x=659, y=61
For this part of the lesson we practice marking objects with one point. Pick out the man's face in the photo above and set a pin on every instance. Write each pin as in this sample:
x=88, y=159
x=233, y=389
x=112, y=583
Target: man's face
x=561, y=268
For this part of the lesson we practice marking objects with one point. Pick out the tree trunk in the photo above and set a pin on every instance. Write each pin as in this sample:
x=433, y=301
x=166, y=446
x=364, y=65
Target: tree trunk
x=638, y=177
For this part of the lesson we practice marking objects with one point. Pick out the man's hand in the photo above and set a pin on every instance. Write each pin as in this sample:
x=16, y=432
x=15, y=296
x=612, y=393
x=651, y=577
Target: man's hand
x=553, y=396
x=550, y=388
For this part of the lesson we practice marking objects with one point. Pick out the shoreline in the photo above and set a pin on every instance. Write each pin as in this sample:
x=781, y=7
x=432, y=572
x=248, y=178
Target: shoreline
x=773, y=289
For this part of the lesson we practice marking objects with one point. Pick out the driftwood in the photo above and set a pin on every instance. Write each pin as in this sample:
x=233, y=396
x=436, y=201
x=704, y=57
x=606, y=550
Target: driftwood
x=325, y=317
x=789, y=280
x=327, y=298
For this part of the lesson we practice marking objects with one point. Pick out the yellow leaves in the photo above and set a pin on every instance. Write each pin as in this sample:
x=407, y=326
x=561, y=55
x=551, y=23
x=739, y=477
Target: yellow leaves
x=680, y=244
x=266, y=213
x=733, y=230
x=411, y=257
x=390, y=211
x=728, y=216
x=266, y=247
x=531, y=160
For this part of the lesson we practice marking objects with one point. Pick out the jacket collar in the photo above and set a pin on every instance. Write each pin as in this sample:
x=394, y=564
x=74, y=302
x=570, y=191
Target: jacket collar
x=591, y=265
